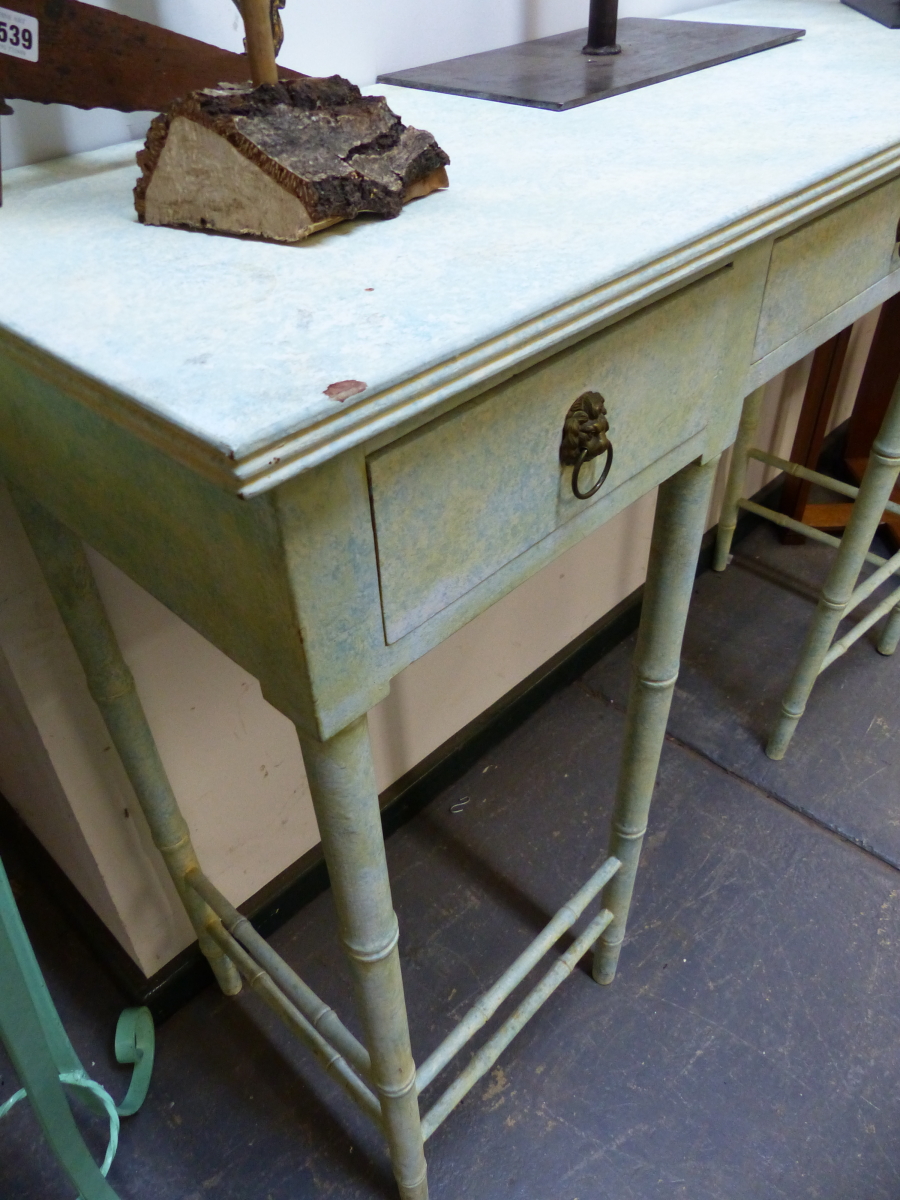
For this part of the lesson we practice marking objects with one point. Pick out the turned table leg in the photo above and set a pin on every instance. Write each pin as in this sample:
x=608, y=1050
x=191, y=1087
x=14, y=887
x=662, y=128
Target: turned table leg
x=64, y=563
x=734, y=486
x=835, y=599
x=346, y=802
x=681, y=511
x=342, y=782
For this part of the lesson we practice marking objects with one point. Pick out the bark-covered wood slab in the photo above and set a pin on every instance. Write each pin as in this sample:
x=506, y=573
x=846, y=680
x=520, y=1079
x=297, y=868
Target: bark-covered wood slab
x=93, y=58
x=282, y=160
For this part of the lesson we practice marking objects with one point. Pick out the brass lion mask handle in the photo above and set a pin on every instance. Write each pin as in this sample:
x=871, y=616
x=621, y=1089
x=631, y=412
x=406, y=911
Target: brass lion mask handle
x=585, y=437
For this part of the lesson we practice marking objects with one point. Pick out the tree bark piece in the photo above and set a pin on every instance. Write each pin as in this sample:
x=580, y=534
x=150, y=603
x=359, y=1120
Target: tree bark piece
x=282, y=160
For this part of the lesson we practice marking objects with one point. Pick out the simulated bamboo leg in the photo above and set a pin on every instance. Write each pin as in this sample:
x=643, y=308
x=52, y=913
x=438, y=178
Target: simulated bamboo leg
x=65, y=566
x=874, y=493
x=681, y=511
x=890, y=636
x=736, y=476
x=345, y=797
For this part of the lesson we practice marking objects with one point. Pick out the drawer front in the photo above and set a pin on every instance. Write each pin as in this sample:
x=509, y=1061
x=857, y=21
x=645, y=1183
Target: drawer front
x=822, y=265
x=461, y=497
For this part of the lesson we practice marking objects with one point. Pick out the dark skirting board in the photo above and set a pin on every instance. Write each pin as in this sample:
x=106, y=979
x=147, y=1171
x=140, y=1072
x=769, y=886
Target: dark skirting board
x=553, y=73
x=885, y=12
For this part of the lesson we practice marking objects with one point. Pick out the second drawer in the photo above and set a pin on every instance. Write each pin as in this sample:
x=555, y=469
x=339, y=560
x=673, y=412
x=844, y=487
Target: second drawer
x=461, y=497
x=822, y=265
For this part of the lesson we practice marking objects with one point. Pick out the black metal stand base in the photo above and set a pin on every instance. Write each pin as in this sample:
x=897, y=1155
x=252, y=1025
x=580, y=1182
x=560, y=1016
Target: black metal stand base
x=553, y=73
x=885, y=12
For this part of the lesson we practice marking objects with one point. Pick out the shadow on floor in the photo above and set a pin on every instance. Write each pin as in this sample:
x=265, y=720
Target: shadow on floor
x=749, y=1047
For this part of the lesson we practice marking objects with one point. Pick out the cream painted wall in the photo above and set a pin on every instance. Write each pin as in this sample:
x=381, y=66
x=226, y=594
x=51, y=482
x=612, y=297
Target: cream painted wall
x=359, y=39
x=234, y=761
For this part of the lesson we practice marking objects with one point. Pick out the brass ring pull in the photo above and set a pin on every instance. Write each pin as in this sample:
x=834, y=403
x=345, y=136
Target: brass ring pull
x=583, y=457
x=585, y=437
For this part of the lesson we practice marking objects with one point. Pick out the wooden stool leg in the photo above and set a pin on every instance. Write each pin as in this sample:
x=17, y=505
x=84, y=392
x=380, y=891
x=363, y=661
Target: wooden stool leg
x=342, y=782
x=677, y=531
x=68, y=573
x=881, y=373
x=818, y=402
x=875, y=388
x=737, y=473
x=874, y=493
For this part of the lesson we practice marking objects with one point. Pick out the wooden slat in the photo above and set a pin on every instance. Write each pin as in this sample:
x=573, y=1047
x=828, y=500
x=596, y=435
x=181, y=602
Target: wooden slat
x=827, y=516
x=92, y=58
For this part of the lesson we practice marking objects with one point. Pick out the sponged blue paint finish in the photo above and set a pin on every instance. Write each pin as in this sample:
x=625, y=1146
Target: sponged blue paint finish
x=549, y=217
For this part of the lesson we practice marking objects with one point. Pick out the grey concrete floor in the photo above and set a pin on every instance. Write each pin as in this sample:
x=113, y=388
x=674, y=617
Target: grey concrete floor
x=748, y=1048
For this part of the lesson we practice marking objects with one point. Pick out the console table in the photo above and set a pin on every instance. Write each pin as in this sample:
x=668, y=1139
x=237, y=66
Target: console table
x=327, y=458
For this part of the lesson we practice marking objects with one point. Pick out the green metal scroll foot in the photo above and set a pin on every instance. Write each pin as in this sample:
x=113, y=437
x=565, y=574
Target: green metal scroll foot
x=135, y=1043
x=135, y=1037
x=46, y=1064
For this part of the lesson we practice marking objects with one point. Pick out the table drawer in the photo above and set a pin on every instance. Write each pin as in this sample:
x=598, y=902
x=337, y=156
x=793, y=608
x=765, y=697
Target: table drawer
x=822, y=265
x=461, y=497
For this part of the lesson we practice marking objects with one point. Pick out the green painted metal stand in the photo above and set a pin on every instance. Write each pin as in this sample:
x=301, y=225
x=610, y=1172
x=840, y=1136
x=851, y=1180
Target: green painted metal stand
x=46, y=1063
x=842, y=592
x=381, y=1076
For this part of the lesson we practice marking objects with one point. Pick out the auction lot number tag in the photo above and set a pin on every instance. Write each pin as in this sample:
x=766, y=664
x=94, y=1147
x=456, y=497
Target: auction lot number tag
x=18, y=35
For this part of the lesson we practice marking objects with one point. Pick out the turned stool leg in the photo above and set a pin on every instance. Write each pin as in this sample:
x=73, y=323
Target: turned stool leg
x=890, y=636
x=681, y=512
x=737, y=473
x=342, y=783
x=868, y=509
x=68, y=573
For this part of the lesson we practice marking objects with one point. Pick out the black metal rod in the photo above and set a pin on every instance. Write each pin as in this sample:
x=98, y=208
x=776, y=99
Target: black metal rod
x=5, y=111
x=602, y=23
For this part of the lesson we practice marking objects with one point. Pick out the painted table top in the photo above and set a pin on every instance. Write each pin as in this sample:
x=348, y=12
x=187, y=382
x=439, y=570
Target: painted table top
x=221, y=349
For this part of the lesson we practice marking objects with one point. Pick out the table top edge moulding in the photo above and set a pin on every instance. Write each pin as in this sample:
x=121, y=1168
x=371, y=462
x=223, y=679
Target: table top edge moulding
x=419, y=355
x=272, y=462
